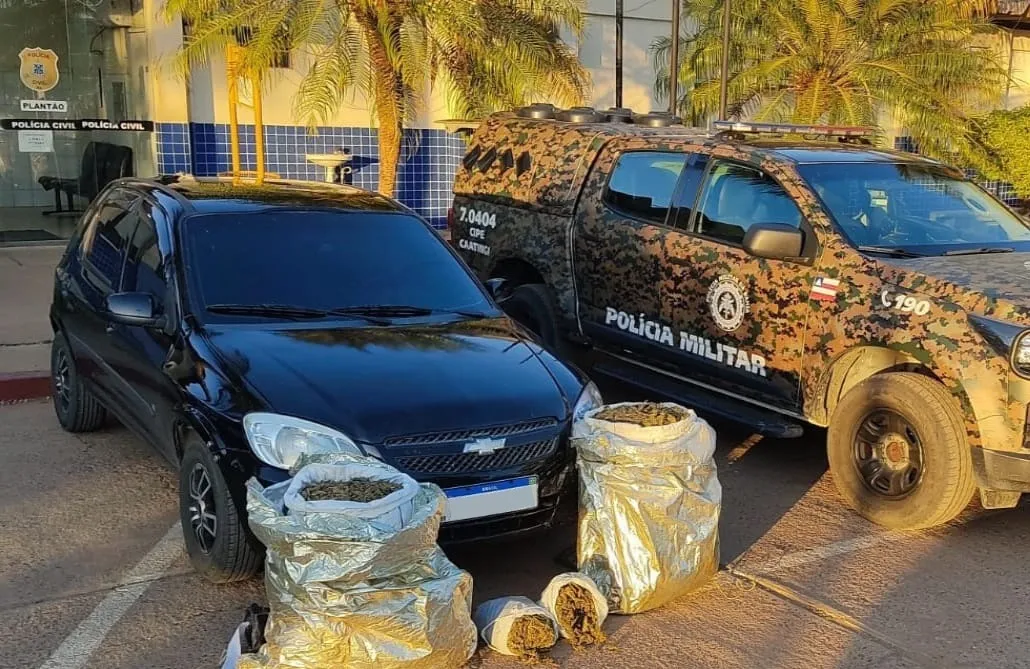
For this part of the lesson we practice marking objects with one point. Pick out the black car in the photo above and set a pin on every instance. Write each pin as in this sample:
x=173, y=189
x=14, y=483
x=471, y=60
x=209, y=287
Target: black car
x=236, y=327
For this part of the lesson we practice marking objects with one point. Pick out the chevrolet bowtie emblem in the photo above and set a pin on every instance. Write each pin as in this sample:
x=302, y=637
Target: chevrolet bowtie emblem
x=484, y=446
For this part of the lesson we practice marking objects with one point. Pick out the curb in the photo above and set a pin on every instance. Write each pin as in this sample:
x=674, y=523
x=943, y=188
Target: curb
x=24, y=386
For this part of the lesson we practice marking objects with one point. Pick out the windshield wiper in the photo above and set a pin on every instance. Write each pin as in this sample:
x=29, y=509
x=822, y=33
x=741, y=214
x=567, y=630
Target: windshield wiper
x=285, y=311
x=971, y=252
x=399, y=310
x=405, y=310
x=275, y=310
x=891, y=251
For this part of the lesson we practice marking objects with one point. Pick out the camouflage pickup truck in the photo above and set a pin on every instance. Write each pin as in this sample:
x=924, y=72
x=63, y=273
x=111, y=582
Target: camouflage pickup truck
x=759, y=274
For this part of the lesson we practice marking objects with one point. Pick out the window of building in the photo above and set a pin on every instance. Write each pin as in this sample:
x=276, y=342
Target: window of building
x=736, y=197
x=642, y=184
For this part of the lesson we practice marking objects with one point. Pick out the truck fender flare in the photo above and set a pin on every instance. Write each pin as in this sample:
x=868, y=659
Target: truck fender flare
x=859, y=364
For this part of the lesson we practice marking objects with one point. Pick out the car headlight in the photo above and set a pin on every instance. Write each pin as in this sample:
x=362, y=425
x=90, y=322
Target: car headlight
x=280, y=440
x=589, y=400
x=1006, y=339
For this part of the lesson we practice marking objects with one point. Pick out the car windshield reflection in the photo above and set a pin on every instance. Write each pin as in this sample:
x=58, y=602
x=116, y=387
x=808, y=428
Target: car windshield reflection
x=364, y=266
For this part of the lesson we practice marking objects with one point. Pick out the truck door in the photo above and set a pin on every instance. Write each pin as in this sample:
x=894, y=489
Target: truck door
x=619, y=232
x=739, y=319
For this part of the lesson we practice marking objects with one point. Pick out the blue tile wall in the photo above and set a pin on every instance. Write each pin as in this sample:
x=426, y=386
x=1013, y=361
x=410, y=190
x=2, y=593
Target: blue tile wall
x=173, y=148
x=429, y=158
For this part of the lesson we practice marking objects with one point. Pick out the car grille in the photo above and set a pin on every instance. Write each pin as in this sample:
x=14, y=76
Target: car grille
x=467, y=435
x=467, y=463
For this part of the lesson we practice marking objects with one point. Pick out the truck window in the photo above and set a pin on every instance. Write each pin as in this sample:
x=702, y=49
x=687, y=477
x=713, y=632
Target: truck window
x=642, y=183
x=686, y=193
x=736, y=197
x=918, y=207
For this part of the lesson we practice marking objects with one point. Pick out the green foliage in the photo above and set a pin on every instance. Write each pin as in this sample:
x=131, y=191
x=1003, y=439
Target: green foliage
x=1006, y=134
x=846, y=62
x=484, y=54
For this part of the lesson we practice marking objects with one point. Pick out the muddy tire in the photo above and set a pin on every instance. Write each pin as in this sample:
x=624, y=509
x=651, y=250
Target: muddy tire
x=221, y=547
x=532, y=305
x=898, y=452
x=76, y=408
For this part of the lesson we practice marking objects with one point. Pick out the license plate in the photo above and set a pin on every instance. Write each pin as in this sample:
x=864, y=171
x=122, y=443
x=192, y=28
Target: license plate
x=491, y=499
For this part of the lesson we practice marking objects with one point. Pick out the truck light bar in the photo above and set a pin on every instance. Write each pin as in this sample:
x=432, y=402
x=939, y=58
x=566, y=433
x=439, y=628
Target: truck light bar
x=789, y=129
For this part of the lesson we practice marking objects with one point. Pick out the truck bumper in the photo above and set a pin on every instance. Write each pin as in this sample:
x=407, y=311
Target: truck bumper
x=1002, y=470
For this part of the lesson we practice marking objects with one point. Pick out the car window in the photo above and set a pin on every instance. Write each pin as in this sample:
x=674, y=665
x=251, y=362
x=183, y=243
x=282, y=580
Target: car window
x=106, y=240
x=736, y=197
x=144, y=268
x=323, y=260
x=642, y=184
x=912, y=206
x=686, y=192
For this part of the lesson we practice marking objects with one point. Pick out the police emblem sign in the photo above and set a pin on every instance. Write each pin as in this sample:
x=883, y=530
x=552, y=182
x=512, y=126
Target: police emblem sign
x=39, y=69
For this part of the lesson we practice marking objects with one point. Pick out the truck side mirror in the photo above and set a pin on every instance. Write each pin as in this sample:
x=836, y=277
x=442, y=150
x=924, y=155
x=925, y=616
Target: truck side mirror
x=776, y=241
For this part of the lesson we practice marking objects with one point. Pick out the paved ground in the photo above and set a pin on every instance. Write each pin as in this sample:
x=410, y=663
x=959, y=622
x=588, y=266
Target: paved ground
x=92, y=573
x=27, y=278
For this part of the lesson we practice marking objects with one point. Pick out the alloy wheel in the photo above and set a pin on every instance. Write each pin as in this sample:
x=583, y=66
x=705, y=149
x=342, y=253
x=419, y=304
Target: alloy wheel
x=203, y=521
x=62, y=380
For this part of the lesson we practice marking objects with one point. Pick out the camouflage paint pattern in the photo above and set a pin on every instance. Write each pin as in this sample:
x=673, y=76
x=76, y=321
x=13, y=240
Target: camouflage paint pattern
x=816, y=351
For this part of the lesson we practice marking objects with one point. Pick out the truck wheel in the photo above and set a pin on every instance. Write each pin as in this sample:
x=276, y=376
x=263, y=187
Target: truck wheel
x=218, y=542
x=898, y=453
x=531, y=305
x=76, y=408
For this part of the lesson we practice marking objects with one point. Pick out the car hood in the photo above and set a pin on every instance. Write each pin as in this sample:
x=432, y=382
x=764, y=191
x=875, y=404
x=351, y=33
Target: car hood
x=995, y=285
x=373, y=383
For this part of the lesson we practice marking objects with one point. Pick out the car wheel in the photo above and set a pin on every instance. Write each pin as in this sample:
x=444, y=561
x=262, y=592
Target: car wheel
x=221, y=547
x=531, y=305
x=898, y=452
x=76, y=408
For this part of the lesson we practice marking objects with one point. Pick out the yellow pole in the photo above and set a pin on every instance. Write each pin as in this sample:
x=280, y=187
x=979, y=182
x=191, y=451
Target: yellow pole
x=232, y=61
x=259, y=129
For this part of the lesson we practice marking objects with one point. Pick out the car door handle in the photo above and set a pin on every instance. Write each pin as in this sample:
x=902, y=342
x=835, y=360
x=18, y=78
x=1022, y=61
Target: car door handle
x=109, y=328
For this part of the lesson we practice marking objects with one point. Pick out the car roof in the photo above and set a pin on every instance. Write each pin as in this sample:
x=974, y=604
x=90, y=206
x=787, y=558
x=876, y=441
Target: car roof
x=202, y=195
x=810, y=152
x=797, y=150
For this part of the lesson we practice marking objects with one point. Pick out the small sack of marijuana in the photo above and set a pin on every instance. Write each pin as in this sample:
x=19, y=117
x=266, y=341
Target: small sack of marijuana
x=516, y=626
x=578, y=607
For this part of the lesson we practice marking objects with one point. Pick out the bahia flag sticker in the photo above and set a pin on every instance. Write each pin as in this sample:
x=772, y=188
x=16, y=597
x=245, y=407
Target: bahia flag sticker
x=825, y=289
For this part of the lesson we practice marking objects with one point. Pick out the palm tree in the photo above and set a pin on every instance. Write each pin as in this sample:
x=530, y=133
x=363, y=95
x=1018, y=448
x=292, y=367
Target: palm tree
x=486, y=54
x=920, y=62
x=231, y=42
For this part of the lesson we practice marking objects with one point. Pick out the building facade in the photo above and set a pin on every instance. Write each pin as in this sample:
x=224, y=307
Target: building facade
x=99, y=63
x=88, y=91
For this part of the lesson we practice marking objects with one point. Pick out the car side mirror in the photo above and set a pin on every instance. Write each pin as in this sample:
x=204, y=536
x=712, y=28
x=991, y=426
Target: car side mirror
x=774, y=240
x=500, y=289
x=133, y=309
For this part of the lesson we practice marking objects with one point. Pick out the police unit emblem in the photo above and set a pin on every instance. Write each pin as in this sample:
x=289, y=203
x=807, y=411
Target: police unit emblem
x=39, y=69
x=728, y=302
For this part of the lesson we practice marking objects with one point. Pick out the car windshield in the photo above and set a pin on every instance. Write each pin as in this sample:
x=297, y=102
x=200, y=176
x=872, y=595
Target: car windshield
x=297, y=263
x=919, y=209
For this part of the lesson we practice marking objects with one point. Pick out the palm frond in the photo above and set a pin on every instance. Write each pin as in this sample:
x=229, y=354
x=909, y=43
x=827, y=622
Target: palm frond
x=846, y=61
